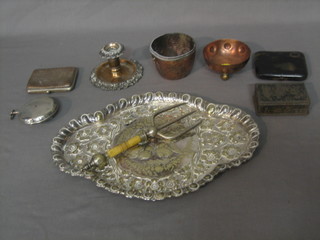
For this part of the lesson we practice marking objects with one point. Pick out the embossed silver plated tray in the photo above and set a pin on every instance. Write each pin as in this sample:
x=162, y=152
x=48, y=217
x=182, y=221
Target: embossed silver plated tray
x=226, y=138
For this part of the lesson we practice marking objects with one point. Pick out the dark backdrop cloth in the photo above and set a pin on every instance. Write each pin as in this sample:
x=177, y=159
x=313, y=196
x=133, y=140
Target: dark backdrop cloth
x=274, y=196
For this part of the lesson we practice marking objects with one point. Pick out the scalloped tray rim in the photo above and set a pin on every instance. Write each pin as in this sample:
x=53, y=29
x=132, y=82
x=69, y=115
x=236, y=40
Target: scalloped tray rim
x=87, y=119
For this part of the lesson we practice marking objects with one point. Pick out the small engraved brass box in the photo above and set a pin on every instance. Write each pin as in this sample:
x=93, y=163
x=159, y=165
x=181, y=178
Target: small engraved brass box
x=281, y=99
x=52, y=80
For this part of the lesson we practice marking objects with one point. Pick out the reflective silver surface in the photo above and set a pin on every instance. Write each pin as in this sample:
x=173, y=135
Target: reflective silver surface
x=48, y=80
x=226, y=138
x=115, y=73
x=37, y=110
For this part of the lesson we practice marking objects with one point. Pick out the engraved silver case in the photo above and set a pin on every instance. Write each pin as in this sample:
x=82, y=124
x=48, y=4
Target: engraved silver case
x=226, y=138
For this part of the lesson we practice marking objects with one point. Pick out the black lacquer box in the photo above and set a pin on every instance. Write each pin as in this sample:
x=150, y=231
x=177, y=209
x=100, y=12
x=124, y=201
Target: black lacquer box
x=281, y=99
x=280, y=65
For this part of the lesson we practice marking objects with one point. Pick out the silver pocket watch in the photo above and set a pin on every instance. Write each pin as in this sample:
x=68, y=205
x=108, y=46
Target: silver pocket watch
x=37, y=110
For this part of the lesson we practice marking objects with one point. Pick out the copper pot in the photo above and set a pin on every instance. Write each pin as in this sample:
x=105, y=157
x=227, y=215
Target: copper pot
x=226, y=56
x=173, y=55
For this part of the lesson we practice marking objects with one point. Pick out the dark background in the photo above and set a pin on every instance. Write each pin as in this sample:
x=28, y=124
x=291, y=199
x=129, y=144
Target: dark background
x=274, y=196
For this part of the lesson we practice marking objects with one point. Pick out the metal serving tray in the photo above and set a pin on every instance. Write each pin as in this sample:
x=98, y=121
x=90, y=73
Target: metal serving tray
x=226, y=138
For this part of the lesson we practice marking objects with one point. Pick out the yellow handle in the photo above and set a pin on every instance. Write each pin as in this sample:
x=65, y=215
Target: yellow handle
x=124, y=146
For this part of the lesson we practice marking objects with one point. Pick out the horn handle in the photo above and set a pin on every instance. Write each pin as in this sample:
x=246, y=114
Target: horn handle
x=134, y=141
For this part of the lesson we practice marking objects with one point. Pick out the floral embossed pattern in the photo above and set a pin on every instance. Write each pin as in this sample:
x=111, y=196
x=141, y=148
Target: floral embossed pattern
x=161, y=168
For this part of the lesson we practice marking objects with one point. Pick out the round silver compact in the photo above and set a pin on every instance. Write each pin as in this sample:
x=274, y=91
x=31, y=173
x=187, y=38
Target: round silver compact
x=37, y=110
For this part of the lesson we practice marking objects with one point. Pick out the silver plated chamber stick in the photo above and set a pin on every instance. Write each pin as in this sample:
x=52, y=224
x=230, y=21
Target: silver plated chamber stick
x=115, y=73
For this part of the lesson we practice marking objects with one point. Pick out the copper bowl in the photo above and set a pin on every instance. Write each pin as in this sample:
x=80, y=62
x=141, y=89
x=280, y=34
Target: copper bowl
x=226, y=56
x=173, y=55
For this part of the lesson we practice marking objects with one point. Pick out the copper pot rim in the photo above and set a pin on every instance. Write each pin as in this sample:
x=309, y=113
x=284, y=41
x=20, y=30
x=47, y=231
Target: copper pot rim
x=227, y=39
x=172, y=58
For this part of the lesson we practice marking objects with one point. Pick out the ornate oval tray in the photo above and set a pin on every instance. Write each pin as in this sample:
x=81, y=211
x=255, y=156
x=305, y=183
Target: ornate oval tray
x=160, y=169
